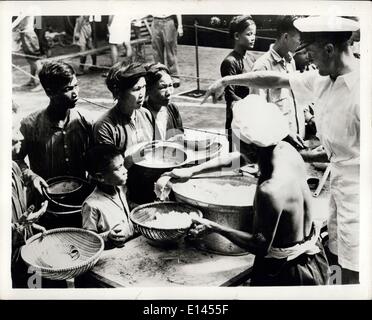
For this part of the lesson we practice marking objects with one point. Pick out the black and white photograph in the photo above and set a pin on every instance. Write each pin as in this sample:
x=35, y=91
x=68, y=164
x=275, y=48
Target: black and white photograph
x=186, y=149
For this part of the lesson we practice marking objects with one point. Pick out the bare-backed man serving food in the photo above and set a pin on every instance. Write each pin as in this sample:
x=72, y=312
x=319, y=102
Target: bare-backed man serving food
x=285, y=239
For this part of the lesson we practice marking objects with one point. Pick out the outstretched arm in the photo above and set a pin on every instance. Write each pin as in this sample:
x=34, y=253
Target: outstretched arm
x=259, y=79
x=231, y=159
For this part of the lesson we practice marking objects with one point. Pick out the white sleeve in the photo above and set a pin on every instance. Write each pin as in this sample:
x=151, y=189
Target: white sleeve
x=303, y=86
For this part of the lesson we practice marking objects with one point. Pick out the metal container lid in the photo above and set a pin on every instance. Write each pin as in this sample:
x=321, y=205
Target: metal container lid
x=226, y=191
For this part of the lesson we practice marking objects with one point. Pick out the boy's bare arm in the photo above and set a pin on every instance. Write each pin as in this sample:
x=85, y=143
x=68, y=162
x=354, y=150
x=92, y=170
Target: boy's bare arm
x=267, y=214
x=232, y=159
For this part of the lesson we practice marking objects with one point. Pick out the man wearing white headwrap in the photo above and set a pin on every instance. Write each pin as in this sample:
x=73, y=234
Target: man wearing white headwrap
x=284, y=238
x=335, y=89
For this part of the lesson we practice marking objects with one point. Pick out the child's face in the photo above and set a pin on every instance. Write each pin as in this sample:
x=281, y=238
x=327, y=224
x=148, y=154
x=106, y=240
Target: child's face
x=134, y=97
x=247, y=38
x=116, y=173
x=162, y=90
x=68, y=94
x=301, y=58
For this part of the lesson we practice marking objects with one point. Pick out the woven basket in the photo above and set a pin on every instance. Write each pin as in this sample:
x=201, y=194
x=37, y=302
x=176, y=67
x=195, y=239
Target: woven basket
x=140, y=215
x=63, y=253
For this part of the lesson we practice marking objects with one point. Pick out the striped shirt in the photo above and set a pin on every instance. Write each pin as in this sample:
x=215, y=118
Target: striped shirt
x=54, y=150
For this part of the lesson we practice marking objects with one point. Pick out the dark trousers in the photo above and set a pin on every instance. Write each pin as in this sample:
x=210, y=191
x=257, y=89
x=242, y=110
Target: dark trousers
x=301, y=271
x=164, y=43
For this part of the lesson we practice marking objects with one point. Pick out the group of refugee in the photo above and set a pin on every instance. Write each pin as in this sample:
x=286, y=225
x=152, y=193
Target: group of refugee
x=266, y=112
x=61, y=140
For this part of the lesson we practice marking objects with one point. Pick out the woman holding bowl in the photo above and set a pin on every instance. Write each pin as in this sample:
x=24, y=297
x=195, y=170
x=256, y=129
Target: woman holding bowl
x=126, y=125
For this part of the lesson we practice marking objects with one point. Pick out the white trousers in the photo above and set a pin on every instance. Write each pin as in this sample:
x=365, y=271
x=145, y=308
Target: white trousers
x=343, y=222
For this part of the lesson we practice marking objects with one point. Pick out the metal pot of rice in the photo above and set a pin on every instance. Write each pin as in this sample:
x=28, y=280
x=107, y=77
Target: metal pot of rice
x=226, y=200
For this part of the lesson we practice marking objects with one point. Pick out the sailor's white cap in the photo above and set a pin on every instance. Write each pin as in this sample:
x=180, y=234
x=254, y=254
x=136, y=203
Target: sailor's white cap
x=324, y=27
x=325, y=24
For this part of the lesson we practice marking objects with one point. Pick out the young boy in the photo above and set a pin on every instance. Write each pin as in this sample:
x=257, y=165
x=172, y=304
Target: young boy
x=106, y=210
x=280, y=58
x=243, y=31
x=284, y=240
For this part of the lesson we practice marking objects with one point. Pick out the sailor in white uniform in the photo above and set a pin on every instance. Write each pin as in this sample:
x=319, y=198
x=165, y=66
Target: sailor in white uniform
x=334, y=88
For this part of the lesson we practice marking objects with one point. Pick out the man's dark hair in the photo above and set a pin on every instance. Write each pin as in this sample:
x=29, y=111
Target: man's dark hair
x=122, y=77
x=55, y=75
x=154, y=73
x=99, y=157
x=340, y=39
x=239, y=24
x=285, y=25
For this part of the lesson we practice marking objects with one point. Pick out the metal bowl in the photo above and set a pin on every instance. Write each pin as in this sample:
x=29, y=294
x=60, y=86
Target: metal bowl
x=67, y=192
x=141, y=215
x=197, y=142
x=161, y=155
x=154, y=160
x=203, y=155
x=64, y=208
x=63, y=186
x=63, y=253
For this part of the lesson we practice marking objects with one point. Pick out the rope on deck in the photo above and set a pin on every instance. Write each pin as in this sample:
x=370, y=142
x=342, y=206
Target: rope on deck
x=25, y=72
x=76, y=54
x=107, y=68
x=223, y=31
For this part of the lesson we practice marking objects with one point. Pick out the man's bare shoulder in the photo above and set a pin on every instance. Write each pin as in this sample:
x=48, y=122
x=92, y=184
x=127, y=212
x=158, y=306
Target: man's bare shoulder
x=269, y=198
x=270, y=190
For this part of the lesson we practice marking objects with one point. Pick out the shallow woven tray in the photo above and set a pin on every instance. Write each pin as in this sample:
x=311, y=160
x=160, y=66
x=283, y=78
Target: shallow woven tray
x=63, y=253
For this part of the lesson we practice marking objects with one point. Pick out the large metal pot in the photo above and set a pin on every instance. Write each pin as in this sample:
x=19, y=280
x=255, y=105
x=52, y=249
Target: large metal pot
x=64, y=207
x=237, y=215
x=154, y=160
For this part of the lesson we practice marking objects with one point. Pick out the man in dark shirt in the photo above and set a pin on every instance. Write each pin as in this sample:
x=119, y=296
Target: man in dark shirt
x=243, y=31
x=55, y=138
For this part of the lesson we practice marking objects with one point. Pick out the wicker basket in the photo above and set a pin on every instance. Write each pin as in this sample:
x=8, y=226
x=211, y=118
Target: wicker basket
x=140, y=215
x=63, y=253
